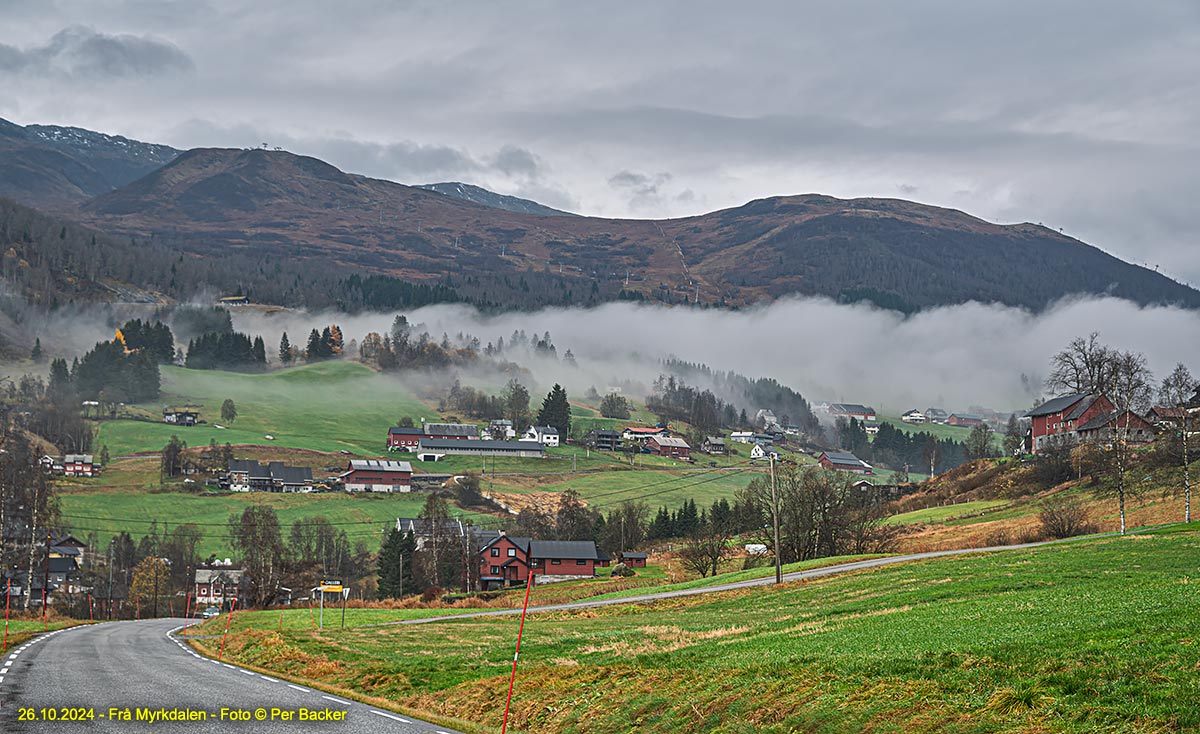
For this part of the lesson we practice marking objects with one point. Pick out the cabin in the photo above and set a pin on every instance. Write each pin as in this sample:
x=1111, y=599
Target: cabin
x=435, y=449
x=216, y=585
x=632, y=559
x=852, y=410
x=545, y=435
x=1056, y=421
x=180, y=417
x=1115, y=426
x=714, y=445
x=601, y=439
x=844, y=461
x=248, y=475
x=668, y=446
x=79, y=465
x=965, y=420
x=507, y=561
x=375, y=475
x=913, y=416
x=403, y=438
x=450, y=431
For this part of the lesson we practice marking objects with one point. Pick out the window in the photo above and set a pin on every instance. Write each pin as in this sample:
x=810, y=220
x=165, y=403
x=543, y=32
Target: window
x=555, y=562
x=581, y=562
x=512, y=552
x=495, y=552
x=495, y=570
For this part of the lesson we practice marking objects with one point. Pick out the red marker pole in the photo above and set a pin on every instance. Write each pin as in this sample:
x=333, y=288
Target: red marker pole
x=171, y=606
x=137, y=608
x=226, y=634
x=45, y=624
x=91, y=609
x=188, y=610
x=7, y=602
x=513, y=677
x=281, y=619
x=312, y=617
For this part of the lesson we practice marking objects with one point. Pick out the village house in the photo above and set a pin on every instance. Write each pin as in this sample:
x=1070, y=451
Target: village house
x=51, y=464
x=79, y=465
x=508, y=561
x=1055, y=421
x=632, y=559
x=913, y=416
x=870, y=428
x=433, y=449
x=180, y=417
x=852, y=410
x=500, y=430
x=545, y=435
x=742, y=436
x=377, y=475
x=1115, y=426
x=760, y=451
x=668, y=446
x=602, y=439
x=844, y=461
x=1165, y=415
x=641, y=434
x=450, y=431
x=216, y=585
x=403, y=438
x=714, y=445
x=247, y=475
x=936, y=415
x=766, y=439
x=965, y=420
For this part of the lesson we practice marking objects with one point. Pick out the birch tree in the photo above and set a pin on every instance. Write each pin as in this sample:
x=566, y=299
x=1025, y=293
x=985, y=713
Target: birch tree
x=1175, y=391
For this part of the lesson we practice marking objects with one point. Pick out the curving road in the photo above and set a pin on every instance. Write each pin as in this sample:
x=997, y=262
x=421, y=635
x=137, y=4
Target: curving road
x=132, y=665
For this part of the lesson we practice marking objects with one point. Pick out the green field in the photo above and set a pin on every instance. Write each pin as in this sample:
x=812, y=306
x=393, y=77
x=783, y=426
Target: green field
x=329, y=406
x=943, y=513
x=1093, y=636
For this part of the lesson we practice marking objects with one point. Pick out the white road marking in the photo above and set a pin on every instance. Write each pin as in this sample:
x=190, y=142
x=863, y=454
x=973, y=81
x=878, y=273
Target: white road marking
x=331, y=698
x=298, y=688
x=267, y=677
x=390, y=716
x=246, y=672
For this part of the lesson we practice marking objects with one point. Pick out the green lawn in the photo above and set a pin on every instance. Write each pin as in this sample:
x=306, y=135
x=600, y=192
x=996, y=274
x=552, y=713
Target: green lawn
x=946, y=512
x=1092, y=636
x=328, y=406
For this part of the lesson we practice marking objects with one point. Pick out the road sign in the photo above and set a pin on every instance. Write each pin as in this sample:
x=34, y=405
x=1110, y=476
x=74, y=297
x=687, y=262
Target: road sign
x=345, y=593
x=329, y=586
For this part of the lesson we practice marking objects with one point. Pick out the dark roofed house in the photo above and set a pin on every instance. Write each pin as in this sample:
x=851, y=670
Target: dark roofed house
x=602, y=439
x=852, y=410
x=247, y=475
x=714, y=445
x=668, y=446
x=1056, y=421
x=507, y=560
x=844, y=461
x=1160, y=414
x=1124, y=425
x=450, y=431
x=632, y=559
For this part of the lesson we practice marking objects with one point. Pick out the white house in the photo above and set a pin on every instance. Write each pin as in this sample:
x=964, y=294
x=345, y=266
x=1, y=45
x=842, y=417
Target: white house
x=742, y=436
x=913, y=416
x=545, y=435
x=762, y=452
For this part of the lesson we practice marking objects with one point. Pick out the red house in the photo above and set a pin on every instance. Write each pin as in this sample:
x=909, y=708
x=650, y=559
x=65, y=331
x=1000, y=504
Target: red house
x=506, y=561
x=844, y=461
x=1057, y=420
x=403, y=439
x=632, y=559
x=1125, y=425
x=964, y=419
x=668, y=446
x=373, y=475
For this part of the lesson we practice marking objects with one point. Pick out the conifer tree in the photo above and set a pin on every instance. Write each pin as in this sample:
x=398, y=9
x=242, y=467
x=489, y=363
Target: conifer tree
x=285, y=349
x=556, y=411
x=36, y=354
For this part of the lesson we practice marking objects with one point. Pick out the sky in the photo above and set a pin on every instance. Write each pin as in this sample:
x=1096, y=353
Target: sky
x=1080, y=115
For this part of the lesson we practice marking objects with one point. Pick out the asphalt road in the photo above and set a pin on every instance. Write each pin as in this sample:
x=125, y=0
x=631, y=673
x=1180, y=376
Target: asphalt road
x=132, y=665
x=750, y=583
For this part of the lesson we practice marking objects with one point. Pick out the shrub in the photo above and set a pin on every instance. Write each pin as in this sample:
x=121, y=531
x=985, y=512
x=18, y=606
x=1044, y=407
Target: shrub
x=622, y=570
x=1065, y=518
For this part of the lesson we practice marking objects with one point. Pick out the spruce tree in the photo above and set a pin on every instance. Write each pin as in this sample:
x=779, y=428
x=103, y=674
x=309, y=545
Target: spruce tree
x=313, y=350
x=395, y=564
x=285, y=349
x=260, y=350
x=36, y=354
x=556, y=411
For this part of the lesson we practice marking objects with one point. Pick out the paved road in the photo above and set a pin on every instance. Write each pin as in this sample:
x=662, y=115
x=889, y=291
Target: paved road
x=140, y=664
x=766, y=581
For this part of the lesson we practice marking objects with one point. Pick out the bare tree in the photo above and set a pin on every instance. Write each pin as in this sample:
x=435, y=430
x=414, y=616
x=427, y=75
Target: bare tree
x=1065, y=518
x=1175, y=391
x=1085, y=366
x=1129, y=390
x=708, y=546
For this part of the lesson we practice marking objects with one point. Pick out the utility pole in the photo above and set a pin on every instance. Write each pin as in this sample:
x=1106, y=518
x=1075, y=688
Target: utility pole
x=156, y=593
x=110, y=562
x=775, y=522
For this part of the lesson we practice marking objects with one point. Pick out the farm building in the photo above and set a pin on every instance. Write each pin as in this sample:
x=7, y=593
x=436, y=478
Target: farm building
x=844, y=461
x=450, y=431
x=247, y=475
x=714, y=445
x=852, y=410
x=603, y=440
x=1117, y=425
x=545, y=435
x=1055, y=421
x=401, y=438
x=966, y=420
x=373, y=475
x=79, y=465
x=870, y=428
x=668, y=446
x=632, y=559
x=433, y=449
x=507, y=561
x=1160, y=414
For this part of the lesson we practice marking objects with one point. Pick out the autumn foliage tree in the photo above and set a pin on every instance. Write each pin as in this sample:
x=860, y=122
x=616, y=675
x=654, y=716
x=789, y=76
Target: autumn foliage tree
x=151, y=583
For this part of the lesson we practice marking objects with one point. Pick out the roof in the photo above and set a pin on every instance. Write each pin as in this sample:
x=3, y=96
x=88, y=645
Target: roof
x=844, y=458
x=914, y=410
x=671, y=441
x=1163, y=411
x=405, y=431
x=450, y=429
x=378, y=465
x=1081, y=407
x=632, y=554
x=573, y=549
x=715, y=439
x=849, y=408
x=77, y=459
x=63, y=565
x=1057, y=405
x=469, y=443
x=1104, y=419
x=966, y=416
x=208, y=575
x=275, y=470
x=604, y=432
x=546, y=430
x=643, y=429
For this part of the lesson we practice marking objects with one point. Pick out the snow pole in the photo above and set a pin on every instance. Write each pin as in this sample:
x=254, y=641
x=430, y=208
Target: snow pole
x=512, y=678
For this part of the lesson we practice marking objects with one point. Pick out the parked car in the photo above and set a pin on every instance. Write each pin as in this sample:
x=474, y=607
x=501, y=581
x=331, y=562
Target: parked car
x=211, y=612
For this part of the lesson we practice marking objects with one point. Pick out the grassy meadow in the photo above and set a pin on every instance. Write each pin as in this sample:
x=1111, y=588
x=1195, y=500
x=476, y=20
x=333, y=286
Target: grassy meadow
x=1098, y=635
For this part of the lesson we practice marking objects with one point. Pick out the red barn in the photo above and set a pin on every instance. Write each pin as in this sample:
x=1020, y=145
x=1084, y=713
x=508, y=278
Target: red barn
x=1058, y=419
x=964, y=419
x=844, y=461
x=1106, y=428
x=372, y=475
x=506, y=561
x=668, y=446
x=401, y=438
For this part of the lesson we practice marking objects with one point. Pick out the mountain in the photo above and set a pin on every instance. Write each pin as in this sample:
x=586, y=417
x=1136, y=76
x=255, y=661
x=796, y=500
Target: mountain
x=897, y=254
x=58, y=168
x=468, y=192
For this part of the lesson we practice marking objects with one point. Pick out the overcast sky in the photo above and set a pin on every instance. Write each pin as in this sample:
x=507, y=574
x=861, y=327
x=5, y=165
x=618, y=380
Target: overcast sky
x=1079, y=114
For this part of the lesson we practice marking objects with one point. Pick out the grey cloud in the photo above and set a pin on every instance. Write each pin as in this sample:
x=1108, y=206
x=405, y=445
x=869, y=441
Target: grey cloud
x=646, y=190
x=78, y=51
